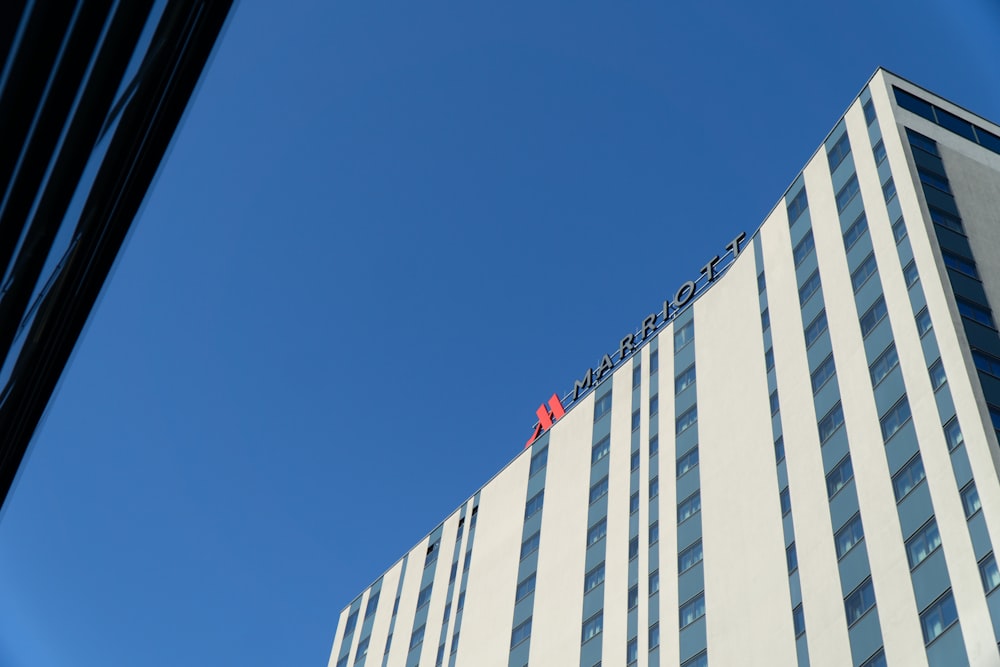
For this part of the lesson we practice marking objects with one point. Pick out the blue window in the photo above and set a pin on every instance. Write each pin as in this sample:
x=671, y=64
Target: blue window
x=936, y=181
x=947, y=220
x=520, y=633
x=654, y=487
x=882, y=366
x=538, y=460
x=633, y=503
x=654, y=405
x=689, y=557
x=838, y=478
x=869, y=110
x=635, y=460
x=593, y=579
x=864, y=271
x=848, y=536
x=525, y=588
x=439, y=661
x=873, y=316
x=952, y=122
x=809, y=287
x=654, y=582
x=769, y=358
x=689, y=507
x=838, y=151
x=923, y=321
x=797, y=206
x=855, y=231
x=785, y=500
x=362, y=651
x=953, y=434
x=791, y=558
x=654, y=445
x=765, y=319
x=530, y=545
x=602, y=405
x=910, y=274
x=599, y=489
x=986, y=363
x=989, y=573
x=913, y=103
x=636, y=375
x=823, y=372
x=700, y=660
x=593, y=626
x=961, y=264
x=425, y=595
x=633, y=547
x=761, y=282
x=654, y=635
x=692, y=610
x=352, y=622
x=847, y=193
x=632, y=651
x=911, y=474
x=600, y=450
x=798, y=621
x=970, y=499
x=684, y=380
x=432, y=553
x=687, y=460
x=803, y=248
x=899, y=229
x=654, y=532
x=779, y=449
x=654, y=361
x=636, y=420
x=687, y=419
x=879, y=151
x=877, y=660
x=830, y=422
x=922, y=543
x=775, y=405
x=633, y=596
x=534, y=504
x=888, y=190
x=938, y=377
x=343, y=661
x=597, y=532
x=417, y=637
x=683, y=335
x=925, y=144
x=860, y=600
x=975, y=312
x=815, y=328
x=938, y=617
x=372, y=604
x=895, y=418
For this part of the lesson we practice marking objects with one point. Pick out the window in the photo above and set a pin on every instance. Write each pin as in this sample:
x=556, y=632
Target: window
x=879, y=151
x=530, y=545
x=654, y=405
x=952, y=122
x=798, y=621
x=936, y=181
x=683, y=335
x=791, y=558
x=700, y=660
x=809, y=287
x=440, y=656
x=848, y=536
x=873, y=316
x=838, y=478
x=938, y=617
x=953, y=434
x=823, y=372
x=635, y=460
x=593, y=626
x=425, y=595
x=593, y=579
x=947, y=220
x=803, y=248
x=636, y=420
x=654, y=635
x=961, y=264
x=970, y=499
x=987, y=363
x=847, y=193
x=975, y=312
x=654, y=582
x=654, y=487
x=838, y=151
x=687, y=419
x=785, y=500
x=989, y=573
x=633, y=596
x=855, y=231
x=689, y=507
x=895, y=418
x=877, y=660
x=765, y=319
x=922, y=543
x=343, y=661
x=761, y=282
x=633, y=547
x=911, y=474
x=632, y=651
x=796, y=206
x=863, y=272
x=351, y=623
x=769, y=359
x=859, y=601
x=654, y=445
x=938, y=378
x=689, y=557
x=636, y=375
x=910, y=274
x=417, y=637
x=362, y=649
x=654, y=532
x=372, y=604
x=884, y=364
x=899, y=229
x=815, y=328
x=447, y=613
x=520, y=633
x=684, y=380
x=597, y=532
x=525, y=588
x=923, y=321
x=832, y=421
x=599, y=489
x=692, y=610
x=779, y=449
x=534, y=504
x=633, y=503
x=869, y=110
x=602, y=405
x=454, y=572
x=654, y=361
x=687, y=460
x=925, y=144
x=775, y=405
x=888, y=190
x=538, y=460
x=600, y=450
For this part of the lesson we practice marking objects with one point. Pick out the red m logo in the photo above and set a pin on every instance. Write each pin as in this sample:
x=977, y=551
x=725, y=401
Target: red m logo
x=546, y=417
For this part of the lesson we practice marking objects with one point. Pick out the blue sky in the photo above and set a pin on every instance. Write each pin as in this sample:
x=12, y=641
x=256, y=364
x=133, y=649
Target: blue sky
x=384, y=234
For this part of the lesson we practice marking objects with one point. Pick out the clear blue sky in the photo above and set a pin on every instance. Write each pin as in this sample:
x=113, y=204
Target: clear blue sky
x=384, y=234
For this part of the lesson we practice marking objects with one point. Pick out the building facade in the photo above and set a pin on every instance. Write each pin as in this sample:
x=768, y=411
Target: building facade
x=691, y=503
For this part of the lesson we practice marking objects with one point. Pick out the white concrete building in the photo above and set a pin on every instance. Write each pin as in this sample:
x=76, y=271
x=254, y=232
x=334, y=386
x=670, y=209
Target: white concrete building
x=794, y=462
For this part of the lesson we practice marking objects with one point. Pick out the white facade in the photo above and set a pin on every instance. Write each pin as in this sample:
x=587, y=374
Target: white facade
x=861, y=590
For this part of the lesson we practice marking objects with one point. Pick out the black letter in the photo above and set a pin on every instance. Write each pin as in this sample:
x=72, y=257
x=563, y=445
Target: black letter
x=648, y=325
x=684, y=294
x=606, y=365
x=585, y=383
x=629, y=342
x=709, y=269
x=734, y=245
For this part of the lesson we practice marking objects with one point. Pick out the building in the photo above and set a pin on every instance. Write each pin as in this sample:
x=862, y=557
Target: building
x=91, y=94
x=794, y=462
